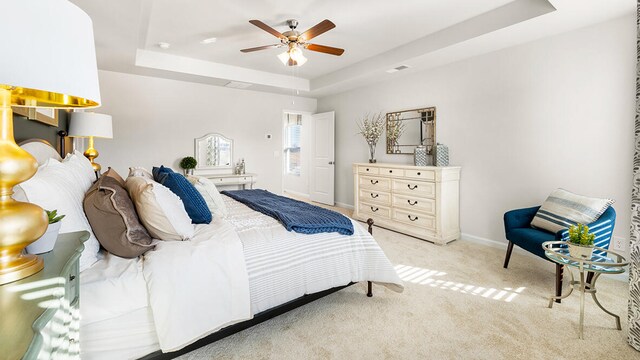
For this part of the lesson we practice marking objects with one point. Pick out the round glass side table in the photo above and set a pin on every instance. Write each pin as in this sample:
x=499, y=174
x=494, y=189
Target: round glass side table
x=603, y=261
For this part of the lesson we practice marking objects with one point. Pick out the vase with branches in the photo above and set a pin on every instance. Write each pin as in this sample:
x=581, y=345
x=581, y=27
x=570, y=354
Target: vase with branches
x=371, y=127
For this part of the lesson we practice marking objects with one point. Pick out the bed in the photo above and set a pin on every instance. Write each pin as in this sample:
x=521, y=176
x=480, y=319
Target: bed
x=122, y=306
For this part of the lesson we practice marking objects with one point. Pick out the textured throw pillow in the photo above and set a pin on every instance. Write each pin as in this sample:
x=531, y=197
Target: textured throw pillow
x=56, y=187
x=210, y=193
x=113, y=218
x=160, y=210
x=113, y=174
x=81, y=169
x=193, y=202
x=563, y=209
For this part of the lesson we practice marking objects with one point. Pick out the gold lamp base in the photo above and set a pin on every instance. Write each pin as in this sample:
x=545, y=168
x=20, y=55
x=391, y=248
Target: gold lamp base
x=91, y=153
x=20, y=223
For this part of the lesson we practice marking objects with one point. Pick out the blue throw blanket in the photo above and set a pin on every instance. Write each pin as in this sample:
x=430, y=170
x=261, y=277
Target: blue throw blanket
x=295, y=215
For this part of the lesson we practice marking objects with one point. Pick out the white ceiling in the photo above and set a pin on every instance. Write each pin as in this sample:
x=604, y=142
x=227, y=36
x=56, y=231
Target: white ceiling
x=377, y=35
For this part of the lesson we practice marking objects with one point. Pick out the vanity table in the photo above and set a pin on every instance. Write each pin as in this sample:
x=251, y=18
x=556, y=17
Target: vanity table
x=214, y=154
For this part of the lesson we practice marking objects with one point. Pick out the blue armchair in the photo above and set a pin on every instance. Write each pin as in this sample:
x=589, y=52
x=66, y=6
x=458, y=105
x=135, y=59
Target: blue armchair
x=518, y=230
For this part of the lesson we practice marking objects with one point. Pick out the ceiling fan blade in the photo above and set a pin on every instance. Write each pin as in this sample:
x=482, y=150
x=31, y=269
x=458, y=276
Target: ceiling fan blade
x=268, y=29
x=325, y=49
x=320, y=28
x=261, y=48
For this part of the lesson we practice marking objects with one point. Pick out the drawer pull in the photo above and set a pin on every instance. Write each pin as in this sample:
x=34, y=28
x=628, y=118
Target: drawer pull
x=373, y=182
x=374, y=195
x=374, y=210
x=72, y=277
x=414, y=203
x=412, y=219
x=418, y=173
x=412, y=188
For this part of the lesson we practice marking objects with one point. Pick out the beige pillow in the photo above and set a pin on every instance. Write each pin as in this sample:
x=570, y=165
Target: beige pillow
x=160, y=210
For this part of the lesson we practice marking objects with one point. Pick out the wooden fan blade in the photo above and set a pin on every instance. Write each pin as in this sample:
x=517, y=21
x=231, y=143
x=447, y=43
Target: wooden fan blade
x=320, y=28
x=261, y=48
x=325, y=49
x=268, y=29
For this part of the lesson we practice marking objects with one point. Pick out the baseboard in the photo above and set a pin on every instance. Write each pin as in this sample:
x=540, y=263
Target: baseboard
x=343, y=205
x=624, y=277
x=295, y=193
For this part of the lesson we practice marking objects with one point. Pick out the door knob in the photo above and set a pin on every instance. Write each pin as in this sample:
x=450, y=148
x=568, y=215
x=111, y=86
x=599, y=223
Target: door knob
x=331, y=162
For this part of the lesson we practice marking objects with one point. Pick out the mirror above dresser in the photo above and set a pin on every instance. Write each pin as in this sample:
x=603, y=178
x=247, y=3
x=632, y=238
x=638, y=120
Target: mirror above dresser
x=214, y=151
x=410, y=128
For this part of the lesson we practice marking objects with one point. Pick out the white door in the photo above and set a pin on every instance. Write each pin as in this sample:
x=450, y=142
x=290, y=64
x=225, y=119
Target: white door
x=322, y=173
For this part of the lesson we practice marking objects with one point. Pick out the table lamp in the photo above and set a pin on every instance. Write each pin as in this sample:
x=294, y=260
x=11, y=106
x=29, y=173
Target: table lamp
x=49, y=61
x=91, y=125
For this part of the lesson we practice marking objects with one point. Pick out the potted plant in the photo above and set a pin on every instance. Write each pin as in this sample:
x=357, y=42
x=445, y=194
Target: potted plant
x=371, y=128
x=188, y=163
x=48, y=240
x=580, y=241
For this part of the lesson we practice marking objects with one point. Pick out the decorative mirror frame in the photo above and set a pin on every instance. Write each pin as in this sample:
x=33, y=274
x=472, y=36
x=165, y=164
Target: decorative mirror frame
x=428, y=117
x=201, y=162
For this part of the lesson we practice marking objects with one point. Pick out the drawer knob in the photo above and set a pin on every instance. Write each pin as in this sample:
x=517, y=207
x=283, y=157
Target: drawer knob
x=374, y=195
x=412, y=188
x=410, y=203
x=367, y=169
x=373, y=182
x=418, y=173
x=390, y=171
x=412, y=219
x=374, y=210
x=72, y=277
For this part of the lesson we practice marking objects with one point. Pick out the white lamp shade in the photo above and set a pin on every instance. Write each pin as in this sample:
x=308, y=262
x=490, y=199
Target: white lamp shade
x=86, y=124
x=48, y=54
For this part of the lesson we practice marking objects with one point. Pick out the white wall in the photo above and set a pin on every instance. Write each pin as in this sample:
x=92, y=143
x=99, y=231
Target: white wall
x=558, y=112
x=155, y=121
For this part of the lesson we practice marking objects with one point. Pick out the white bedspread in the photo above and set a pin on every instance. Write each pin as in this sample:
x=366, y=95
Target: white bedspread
x=197, y=287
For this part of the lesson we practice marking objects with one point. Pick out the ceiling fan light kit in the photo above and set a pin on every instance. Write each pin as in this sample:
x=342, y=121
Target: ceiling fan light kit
x=296, y=41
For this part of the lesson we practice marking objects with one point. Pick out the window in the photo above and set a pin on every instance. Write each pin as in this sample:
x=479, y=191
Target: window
x=292, y=134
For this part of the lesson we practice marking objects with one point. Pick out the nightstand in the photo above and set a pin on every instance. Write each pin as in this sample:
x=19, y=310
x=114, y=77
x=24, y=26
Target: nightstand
x=40, y=314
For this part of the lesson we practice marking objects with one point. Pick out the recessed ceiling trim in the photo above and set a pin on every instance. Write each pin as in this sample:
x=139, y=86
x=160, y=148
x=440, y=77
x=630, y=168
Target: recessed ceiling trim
x=186, y=65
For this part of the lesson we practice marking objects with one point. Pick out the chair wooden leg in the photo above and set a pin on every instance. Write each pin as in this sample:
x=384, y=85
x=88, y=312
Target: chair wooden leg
x=506, y=258
x=559, y=273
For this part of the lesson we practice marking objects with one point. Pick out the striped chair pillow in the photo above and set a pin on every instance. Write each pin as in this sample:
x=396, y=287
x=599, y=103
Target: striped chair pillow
x=563, y=209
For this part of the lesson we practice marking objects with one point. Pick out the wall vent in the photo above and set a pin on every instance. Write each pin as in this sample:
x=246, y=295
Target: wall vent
x=237, y=85
x=397, y=68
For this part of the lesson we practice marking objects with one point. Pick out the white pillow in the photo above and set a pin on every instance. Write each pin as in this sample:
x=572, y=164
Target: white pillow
x=80, y=167
x=56, y=187
x=210, y=193
x=160, y=210
x=140, y=171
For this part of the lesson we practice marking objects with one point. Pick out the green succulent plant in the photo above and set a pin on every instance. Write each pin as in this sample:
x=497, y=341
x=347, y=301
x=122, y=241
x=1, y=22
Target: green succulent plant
x=53, y=216
x=579, y=235
x=188, y=162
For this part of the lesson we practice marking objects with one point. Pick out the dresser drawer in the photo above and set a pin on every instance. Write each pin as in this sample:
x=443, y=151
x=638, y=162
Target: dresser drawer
x=414, y=188
x=414, y=203
x=420, y=174
x=391, y=172
x=378, y=197
x=375, y=183
x=368, y=170
x=375, y=210
x=414, y=218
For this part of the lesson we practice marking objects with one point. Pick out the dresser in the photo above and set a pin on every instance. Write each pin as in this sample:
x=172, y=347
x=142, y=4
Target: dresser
x=233, y=179
x=421, y=201
x=40, y=317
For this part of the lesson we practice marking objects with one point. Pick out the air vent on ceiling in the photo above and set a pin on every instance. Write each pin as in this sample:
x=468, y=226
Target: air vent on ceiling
x=397, y=68
x=237, y=85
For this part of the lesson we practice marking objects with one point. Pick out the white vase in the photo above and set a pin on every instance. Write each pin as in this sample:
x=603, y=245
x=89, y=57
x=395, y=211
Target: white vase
x=47, y=241
x=579, y=251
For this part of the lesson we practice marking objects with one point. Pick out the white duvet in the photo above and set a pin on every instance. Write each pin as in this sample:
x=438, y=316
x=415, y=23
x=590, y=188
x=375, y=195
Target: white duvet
x=197, y=287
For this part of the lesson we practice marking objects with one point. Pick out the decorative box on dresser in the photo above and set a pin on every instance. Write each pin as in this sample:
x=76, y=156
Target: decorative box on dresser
x=39, y=315
x=421, y=201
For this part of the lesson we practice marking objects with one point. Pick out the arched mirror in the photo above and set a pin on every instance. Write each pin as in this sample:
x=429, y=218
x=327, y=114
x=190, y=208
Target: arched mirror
x=214, y=151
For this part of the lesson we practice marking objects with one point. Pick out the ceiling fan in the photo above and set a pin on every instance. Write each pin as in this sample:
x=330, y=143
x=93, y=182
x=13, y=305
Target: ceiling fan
x=295, y=41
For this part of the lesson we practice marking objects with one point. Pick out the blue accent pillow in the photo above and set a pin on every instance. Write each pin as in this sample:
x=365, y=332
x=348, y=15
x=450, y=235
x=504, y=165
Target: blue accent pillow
x=193, y=202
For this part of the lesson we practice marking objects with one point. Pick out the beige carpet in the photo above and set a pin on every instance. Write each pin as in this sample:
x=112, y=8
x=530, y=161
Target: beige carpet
x=459, y=303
